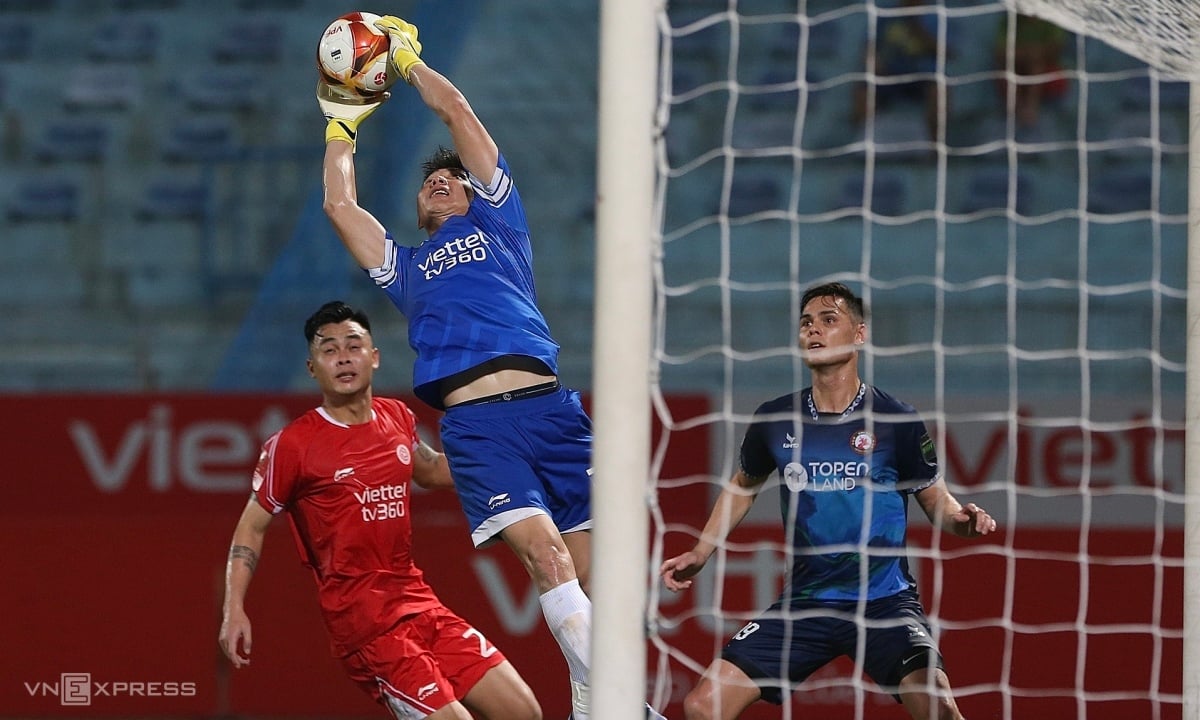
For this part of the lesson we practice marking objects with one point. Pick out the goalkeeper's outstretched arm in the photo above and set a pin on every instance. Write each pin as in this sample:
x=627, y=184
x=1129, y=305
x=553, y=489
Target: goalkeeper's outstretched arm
x=471, y=140
x=728, y=512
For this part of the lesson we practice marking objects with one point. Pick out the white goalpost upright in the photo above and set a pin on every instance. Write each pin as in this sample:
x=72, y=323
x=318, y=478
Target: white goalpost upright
x=621, y=374
x=731, y=176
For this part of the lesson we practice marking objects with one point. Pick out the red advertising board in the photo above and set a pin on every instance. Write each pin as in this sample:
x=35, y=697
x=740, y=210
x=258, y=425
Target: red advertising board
x=115, y=523
x=117, y=512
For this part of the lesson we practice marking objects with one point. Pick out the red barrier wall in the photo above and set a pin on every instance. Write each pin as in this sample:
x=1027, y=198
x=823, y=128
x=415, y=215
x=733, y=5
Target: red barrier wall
x=115, y=522
x=117, y=511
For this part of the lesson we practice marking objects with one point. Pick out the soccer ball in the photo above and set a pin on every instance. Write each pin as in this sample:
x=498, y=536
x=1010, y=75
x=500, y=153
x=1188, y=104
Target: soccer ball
x=353, y=54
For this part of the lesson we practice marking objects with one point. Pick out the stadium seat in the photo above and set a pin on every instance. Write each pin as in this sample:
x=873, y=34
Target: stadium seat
x=773, y=90
x=124, y=39
x=888, y=193
x=1120, y=191
x=142, y=5
x=1135, y=133
x=252, y=40
x=901, y=133
x=757, y=130
x=174, y=198
x=758, y=193
x=16, y=39
x=987, y=189
x=90, y=86
x=1172, y=95
x=47, y=198
x=252, y=5
x=201, y=139
x=26, y=7
x=73, y=139
x=207, y=88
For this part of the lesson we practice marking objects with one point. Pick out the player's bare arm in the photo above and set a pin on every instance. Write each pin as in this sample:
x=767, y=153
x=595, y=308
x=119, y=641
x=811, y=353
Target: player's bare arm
x=430, y=468
x=730, y=509
x=358, y=229
x=474, y=145
x=235, y=637
x=948, y=514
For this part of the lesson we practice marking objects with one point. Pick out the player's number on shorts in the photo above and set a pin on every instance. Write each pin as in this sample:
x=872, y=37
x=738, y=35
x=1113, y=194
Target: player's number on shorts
x=486, y=649
x=746, y=631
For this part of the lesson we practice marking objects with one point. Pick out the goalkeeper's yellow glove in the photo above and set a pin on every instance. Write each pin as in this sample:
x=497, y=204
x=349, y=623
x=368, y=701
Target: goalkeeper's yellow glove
x=344, y=110
x=405, y=48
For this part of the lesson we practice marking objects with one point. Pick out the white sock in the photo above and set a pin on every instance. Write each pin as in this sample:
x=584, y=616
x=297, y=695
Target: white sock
x=568, y=614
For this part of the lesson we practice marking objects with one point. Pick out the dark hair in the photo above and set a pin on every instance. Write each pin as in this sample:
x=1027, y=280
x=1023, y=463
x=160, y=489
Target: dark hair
x=837, y=290
x=443, y=159
x=334, y=311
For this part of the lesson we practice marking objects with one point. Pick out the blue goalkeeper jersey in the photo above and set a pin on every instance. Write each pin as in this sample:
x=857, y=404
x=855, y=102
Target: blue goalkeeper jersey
x=467, y=290
x=845, y=481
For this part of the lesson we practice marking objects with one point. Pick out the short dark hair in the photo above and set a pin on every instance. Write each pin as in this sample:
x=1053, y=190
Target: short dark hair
x=837, y=290
x=443, y=159
x=334, y=311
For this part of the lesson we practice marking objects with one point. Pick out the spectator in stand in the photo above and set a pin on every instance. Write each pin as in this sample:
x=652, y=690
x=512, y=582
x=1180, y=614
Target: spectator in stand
x=905, y=45
x=1037, y=49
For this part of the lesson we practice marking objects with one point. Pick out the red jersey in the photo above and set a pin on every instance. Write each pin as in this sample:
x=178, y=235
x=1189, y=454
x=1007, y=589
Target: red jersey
x=346, y=489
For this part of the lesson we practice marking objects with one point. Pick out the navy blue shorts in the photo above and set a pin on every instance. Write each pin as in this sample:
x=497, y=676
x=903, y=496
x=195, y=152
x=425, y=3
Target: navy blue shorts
x=517, y=458
x=778, y=649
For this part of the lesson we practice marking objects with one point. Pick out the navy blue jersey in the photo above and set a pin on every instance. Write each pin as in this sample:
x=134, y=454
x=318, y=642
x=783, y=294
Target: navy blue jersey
x=467, y=291
x=844, y=475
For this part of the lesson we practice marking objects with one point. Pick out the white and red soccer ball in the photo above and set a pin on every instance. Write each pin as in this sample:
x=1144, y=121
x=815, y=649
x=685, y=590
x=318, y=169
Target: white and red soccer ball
x=353, y=53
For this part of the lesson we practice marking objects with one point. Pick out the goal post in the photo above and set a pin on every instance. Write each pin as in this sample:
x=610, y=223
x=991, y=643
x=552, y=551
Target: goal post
x=621, y=371
x=1191, y=548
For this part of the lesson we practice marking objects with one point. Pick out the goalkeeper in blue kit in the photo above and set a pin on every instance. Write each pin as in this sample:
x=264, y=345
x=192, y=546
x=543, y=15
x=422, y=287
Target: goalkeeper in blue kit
x=849, y=456
x=518, y=442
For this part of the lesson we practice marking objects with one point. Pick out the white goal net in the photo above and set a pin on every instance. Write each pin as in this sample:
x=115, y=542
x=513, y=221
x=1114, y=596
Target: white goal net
x=1011, y=202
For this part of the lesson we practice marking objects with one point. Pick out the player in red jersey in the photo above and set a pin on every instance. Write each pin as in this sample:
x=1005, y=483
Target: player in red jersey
x=342, y=472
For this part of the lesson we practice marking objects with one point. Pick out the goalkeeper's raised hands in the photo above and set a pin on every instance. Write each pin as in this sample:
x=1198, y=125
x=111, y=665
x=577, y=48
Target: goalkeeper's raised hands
x=344, y=110
x=405, y=48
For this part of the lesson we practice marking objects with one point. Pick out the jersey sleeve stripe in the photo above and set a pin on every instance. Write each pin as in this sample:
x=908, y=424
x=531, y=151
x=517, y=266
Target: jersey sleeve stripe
x=385, y=274
x=498, y=188
x=267, y=490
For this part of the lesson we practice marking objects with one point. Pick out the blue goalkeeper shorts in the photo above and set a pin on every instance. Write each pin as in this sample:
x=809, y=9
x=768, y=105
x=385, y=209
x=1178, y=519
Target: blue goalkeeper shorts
x=781, y=648
x=512, y=459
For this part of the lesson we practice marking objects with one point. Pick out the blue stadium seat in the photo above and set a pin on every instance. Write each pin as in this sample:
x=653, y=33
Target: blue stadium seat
x=142, y=5
x=47, y=198
x=756, y=130
x=27, y=7
x=124, y=39
x=902, y=134
x=201, y=139
x=1172, y=95
x=208, y=88
x=755, y=193
x=1120, y=190
x=174, y=198
x=888, y=193
x=90, y=86
x=16, y=39
x=253, y=5
x=255, y=40
x=987, y=189
x=74, y=139
x=1134, y=128
x=774, y=90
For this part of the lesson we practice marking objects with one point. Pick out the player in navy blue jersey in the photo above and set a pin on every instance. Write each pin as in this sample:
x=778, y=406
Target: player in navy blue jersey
x=518, y=443
x=849, y=456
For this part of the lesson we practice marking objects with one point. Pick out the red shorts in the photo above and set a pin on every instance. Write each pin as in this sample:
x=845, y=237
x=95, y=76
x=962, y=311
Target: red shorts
x=423, y=663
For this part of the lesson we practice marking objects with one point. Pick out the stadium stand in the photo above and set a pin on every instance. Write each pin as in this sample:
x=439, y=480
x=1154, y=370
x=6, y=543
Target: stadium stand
x=191, y=149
